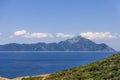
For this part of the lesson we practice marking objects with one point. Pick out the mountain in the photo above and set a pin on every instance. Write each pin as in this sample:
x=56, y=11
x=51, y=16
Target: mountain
x=104, y=69
x=75, y=44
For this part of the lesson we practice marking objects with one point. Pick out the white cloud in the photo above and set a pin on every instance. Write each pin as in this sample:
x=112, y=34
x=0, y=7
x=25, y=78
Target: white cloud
x=89, y=35
x=37, y=35
x=98, y=35
x=26, y=34
x=62, y=35
x=19, y=33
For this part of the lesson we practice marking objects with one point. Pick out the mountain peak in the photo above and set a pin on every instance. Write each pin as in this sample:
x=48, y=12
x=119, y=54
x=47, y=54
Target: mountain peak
x=77, y=39
x=74, y=40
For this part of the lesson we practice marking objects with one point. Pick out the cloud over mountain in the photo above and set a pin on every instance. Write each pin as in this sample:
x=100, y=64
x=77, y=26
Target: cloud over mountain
x=26, y=34
x=19, y=33
x=63, y=35
x=98, y=35
x=89, y=35
x=38, y=35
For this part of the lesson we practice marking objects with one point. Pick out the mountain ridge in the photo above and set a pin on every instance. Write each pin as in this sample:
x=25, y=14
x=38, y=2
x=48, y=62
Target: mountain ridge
x=74, y=44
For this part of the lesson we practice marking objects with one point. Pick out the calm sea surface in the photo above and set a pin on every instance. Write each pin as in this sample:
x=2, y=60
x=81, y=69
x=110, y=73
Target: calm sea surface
x=16, y=64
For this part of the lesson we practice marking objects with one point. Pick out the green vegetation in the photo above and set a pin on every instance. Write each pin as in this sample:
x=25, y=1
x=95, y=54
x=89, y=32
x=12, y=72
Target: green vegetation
x=33, y=78
x=105, y=69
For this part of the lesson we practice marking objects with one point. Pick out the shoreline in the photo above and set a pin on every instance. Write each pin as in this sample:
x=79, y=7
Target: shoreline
x=20, y=78
x=3, y=78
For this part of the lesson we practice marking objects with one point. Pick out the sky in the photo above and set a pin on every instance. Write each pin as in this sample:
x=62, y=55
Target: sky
x=31, y=21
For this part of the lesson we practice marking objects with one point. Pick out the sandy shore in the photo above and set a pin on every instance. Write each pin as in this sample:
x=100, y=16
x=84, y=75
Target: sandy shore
x=20, y=78
x=2, y=78
x=43, y=75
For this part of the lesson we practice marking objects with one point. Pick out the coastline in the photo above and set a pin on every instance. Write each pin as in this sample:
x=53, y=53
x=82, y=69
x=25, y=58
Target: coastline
x=44, y=76
x=3, y=78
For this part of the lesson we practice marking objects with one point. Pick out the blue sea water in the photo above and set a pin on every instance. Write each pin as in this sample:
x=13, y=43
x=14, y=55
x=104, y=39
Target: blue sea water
x=16, y=64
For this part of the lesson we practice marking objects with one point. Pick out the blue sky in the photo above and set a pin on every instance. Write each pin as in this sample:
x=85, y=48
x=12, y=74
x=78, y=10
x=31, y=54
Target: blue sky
x=31, y=21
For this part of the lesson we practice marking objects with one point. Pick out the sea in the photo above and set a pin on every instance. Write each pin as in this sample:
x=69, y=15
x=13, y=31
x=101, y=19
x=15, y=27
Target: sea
x=17, y=64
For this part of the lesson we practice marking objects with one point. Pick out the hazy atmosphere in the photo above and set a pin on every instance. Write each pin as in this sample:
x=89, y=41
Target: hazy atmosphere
x=31, y=21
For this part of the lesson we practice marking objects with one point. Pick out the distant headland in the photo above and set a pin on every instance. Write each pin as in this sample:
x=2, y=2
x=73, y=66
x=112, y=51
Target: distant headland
x=74, y=44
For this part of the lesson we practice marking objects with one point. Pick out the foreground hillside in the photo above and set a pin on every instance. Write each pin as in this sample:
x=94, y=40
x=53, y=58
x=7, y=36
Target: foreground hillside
x=105, y=69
